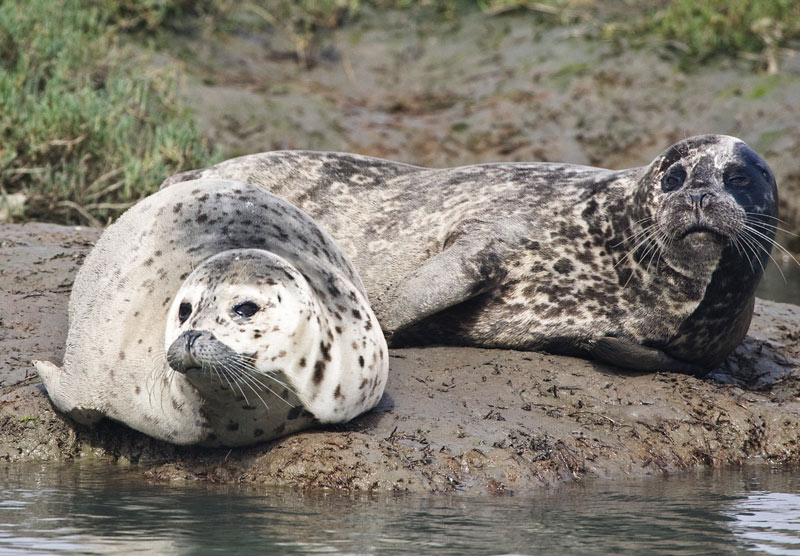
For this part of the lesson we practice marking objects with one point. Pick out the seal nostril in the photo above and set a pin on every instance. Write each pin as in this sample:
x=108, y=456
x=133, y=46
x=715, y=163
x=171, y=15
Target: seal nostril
x=698, y=199
x=190, y=336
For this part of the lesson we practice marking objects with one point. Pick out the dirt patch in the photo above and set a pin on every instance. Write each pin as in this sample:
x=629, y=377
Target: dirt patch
x=452, y=419
x=482, y=89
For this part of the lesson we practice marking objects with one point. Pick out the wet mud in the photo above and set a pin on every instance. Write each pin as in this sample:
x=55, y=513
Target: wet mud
x=452, y=419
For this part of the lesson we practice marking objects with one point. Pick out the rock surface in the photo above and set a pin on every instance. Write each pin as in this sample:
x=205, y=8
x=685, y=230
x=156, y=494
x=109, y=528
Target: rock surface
x=452, y=419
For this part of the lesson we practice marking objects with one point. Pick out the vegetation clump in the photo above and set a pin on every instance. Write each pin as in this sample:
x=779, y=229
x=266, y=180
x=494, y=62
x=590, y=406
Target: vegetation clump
x=705, y=30
x=86, y=128
x=699, y=31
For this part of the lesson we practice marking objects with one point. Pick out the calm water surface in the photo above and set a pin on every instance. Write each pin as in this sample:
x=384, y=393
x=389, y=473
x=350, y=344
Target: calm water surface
x=92, y=509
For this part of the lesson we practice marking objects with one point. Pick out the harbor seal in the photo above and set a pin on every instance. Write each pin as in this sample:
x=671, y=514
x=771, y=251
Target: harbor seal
x=216, y=313
x=650, y=268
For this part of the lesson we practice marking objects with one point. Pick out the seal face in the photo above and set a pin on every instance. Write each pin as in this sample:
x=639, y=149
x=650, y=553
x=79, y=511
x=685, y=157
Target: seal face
x=646, y=268
x=216, y=313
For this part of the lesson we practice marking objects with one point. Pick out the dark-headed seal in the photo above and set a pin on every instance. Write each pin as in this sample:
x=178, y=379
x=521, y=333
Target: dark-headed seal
x=646, y=268
x=214, y=312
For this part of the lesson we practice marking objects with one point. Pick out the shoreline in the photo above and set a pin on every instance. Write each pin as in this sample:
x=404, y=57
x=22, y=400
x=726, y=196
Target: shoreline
x=465, y=420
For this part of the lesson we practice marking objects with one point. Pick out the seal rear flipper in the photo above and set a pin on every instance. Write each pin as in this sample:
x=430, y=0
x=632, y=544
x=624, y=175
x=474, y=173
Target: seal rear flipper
x=62, y=397
x=633, y=356
x=467, y=268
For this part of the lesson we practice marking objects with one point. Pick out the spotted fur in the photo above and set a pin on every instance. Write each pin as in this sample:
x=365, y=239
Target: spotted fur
x=216, y=313
x=544, y=256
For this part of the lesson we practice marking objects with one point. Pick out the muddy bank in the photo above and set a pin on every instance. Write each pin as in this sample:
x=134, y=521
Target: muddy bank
x=452, y=419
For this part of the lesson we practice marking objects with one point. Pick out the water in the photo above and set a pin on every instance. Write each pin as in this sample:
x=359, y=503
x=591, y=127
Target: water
x=781, y=281
x=91, y=509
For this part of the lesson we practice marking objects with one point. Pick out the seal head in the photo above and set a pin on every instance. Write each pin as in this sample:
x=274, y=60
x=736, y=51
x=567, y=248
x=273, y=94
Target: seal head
x=717, y=216
x=708, y=199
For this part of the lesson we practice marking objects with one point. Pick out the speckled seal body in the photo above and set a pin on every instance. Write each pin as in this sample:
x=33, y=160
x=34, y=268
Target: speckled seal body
x=216, y=313
x=646, y=268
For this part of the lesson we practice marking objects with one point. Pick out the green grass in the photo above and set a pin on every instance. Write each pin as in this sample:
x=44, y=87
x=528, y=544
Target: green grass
x=713, y=28
x=85, y=128
x=700, y=31
x=147, y=15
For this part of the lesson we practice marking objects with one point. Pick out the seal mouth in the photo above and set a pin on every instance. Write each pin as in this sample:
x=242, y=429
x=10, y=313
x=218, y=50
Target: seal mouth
x=191, y=369
x=198, y=351
x=187, y=367
x=701, y=229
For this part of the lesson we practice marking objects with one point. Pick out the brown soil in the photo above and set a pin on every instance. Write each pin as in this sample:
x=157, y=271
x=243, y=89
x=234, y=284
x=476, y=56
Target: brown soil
x=482, y=89
x=452, y=419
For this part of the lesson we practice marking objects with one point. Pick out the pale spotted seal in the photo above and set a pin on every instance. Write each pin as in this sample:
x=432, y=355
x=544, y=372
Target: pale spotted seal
x=216, y=313
x=645, y=268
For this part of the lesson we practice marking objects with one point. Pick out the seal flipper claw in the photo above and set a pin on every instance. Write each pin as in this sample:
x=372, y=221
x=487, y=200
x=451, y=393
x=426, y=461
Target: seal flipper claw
x=61, y=396
x=629, y=355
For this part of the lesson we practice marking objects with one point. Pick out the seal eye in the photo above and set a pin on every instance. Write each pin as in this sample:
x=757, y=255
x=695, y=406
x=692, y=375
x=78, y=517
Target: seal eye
x=673, y=179
x=184, y=310
x=736, y=180
x=246, y=309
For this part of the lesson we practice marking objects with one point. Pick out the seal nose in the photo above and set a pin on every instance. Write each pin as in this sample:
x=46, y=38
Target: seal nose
x=698, y=199
x=190, y=336
x=179, y=354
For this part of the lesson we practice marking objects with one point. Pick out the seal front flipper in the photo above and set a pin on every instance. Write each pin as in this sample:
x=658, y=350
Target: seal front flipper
x=466, y=268
x=630, y=355
x=62, y=396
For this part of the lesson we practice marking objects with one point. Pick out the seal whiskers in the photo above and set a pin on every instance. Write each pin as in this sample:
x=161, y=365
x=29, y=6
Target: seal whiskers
x=750, y=228
x=246, y=372
x=742, y=249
